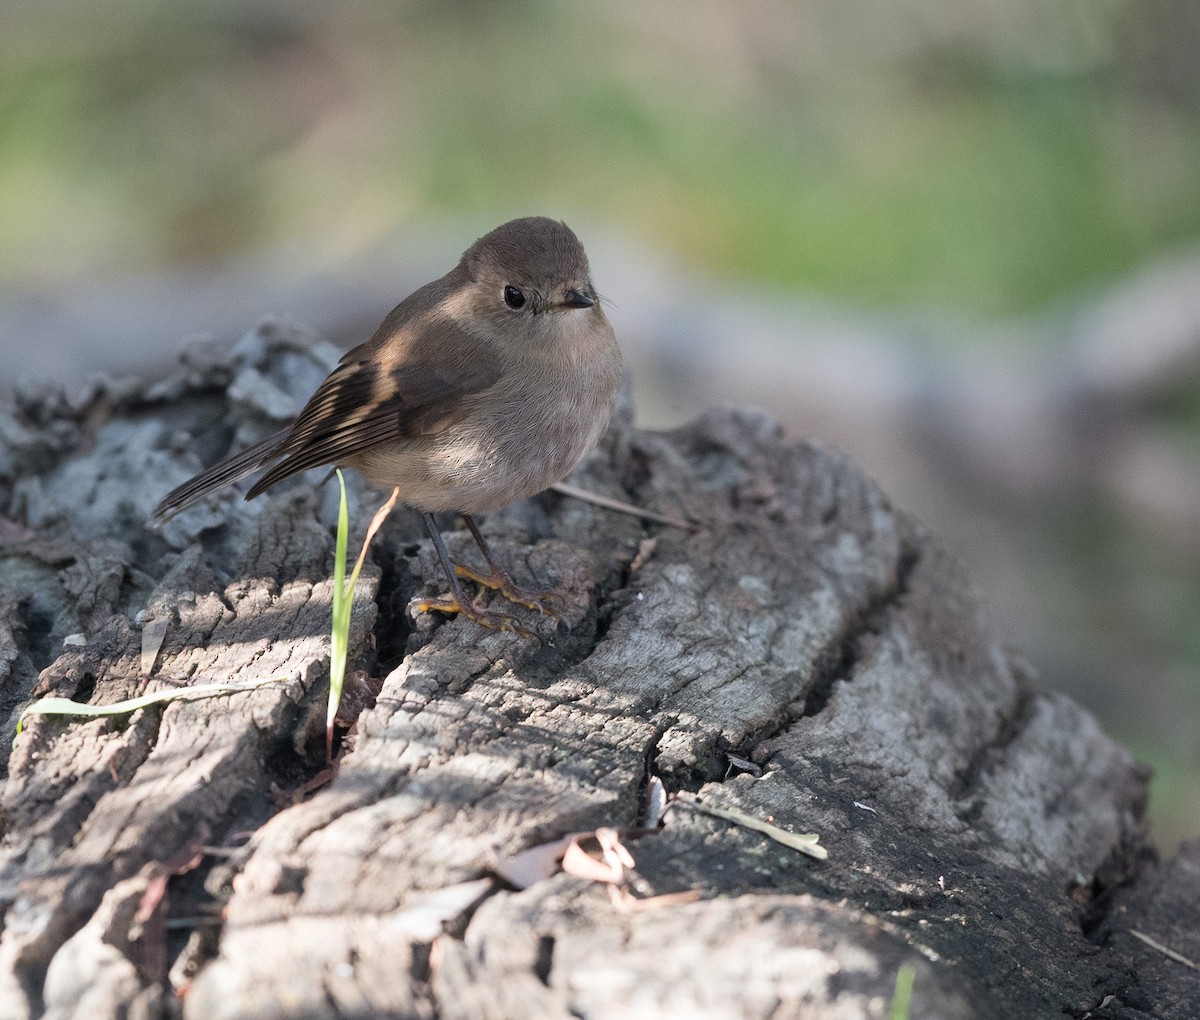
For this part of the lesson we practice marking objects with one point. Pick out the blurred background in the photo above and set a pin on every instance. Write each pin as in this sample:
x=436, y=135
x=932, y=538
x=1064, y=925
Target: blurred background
x=960, y=240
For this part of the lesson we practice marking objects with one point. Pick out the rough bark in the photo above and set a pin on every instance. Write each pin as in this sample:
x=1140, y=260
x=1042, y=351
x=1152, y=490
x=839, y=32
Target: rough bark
x=981, y=830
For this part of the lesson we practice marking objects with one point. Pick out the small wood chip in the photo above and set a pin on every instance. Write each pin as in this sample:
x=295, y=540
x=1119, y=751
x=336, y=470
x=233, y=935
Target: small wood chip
x=153, y=633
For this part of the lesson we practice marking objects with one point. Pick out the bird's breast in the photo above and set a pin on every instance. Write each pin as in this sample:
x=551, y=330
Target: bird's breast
x=498, y=451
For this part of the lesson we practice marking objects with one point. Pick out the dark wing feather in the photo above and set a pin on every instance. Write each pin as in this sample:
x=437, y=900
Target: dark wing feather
x=219, y=475
x=401, y=386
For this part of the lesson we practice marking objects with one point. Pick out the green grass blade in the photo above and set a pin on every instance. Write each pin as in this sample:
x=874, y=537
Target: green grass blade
x=902, y=996
x=343, y=599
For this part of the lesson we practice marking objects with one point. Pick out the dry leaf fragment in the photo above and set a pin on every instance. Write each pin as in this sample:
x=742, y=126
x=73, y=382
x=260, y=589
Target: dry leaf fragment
x=614, y=858
x=745, y=764
x=533, y=864
x=424, y=917
x=645, y=550
x=153, y=633
x=655, y=804
x=540, y=862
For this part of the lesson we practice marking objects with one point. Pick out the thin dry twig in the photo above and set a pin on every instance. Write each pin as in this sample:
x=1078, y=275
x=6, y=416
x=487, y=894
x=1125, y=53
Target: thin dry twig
x=806, y=843
x=381, y=515
x=1167, y=951
x=622, y=508
x=627, y=903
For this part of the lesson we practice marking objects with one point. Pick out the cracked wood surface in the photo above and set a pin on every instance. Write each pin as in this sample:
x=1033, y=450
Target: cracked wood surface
x=981, y=830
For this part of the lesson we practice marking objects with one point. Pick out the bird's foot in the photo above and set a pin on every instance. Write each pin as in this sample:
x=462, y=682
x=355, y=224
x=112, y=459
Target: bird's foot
x=488, y=618
x=546, y=603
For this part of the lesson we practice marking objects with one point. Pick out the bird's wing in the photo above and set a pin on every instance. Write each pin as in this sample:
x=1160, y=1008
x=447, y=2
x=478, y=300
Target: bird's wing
x=218, y=476
x=399, y=385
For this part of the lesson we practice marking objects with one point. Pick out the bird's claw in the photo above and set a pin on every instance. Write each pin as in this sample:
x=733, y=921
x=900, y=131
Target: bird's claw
x=545, y=603
x=484, y=617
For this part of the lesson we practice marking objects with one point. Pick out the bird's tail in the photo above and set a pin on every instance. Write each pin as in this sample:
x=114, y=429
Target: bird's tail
x=223, y=473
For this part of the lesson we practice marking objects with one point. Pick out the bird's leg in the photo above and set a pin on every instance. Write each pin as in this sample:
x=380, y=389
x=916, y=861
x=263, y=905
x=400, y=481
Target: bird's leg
x=456, y=601
x=498, y=580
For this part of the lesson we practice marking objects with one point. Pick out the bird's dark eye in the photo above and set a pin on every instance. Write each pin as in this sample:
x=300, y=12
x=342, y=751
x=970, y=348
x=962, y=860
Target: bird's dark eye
x=513, y=297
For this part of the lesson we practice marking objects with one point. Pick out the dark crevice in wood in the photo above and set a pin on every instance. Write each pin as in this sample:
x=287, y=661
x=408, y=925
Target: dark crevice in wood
x=393, y=627
x=663, y=724
x=287, y=767
x=37, y=624
x=25, y=662
x=990, y=752
x=839, y=659
x=544, y=962
x=636, y=471
x=842, y=655
x=706, y=770
x=1125, y=863
x=85, y=688
x=608, y=607
x=188, y=900
x=419, y=968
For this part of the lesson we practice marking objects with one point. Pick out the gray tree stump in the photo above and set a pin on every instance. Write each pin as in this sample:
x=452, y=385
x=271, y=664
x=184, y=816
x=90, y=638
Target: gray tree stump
x=808, y=655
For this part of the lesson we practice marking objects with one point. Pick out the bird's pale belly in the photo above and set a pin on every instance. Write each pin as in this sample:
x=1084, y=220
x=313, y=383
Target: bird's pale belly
x=483, y=466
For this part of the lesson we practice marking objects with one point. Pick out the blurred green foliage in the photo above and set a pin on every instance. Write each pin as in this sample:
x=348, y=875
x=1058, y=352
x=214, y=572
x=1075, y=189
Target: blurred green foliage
x=985, y=158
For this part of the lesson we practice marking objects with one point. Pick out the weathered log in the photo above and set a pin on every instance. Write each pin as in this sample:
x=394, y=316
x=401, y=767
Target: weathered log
x=808, y=655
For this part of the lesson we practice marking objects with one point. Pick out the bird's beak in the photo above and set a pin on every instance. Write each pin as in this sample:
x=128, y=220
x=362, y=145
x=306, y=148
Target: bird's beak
x=573, y=298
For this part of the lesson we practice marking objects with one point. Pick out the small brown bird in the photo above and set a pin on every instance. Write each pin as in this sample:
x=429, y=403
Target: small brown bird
x=479, y=389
